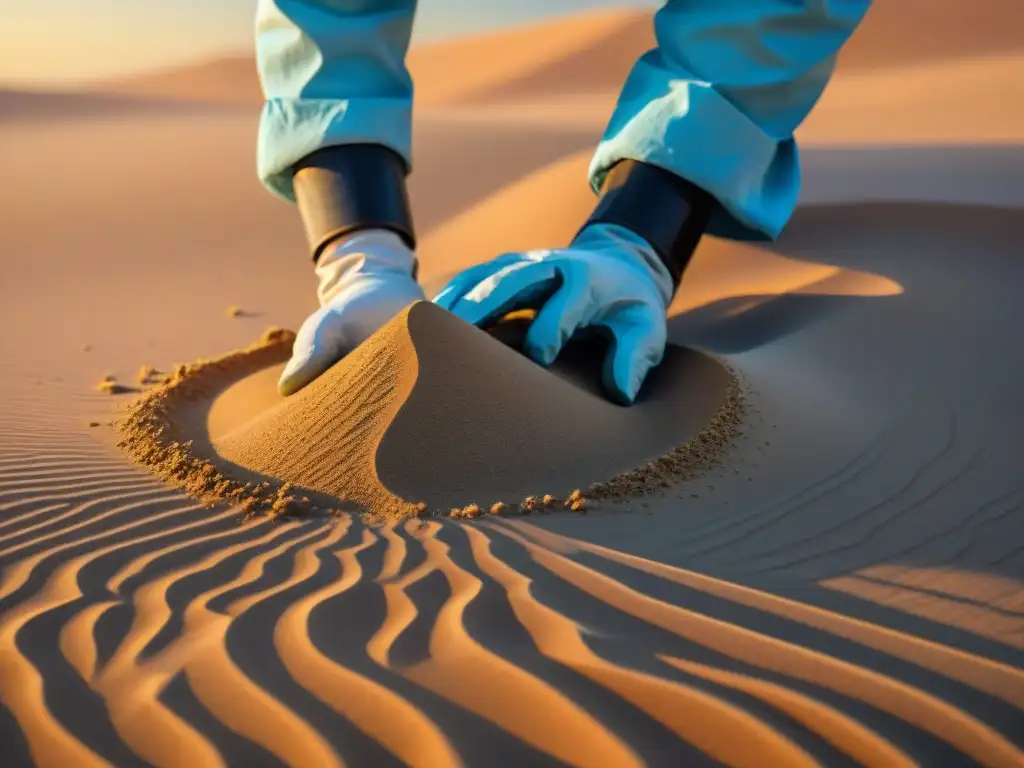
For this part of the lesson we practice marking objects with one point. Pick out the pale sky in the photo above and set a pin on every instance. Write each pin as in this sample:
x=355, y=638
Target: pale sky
x=63, y=42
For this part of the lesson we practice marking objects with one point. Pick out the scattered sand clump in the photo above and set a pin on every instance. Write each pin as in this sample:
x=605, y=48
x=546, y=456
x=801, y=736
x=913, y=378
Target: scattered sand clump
x=469, y=512
x=151, y=432
x=148, y=375
x=109, y=386
x=576, y=502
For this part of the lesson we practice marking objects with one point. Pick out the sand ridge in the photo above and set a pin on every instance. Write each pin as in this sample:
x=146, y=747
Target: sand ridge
x=592, y=52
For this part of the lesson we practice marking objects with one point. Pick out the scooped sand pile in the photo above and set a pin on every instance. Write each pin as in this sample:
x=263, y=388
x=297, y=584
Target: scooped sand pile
x=434, y=410
x=324, y=437
x=432, y=416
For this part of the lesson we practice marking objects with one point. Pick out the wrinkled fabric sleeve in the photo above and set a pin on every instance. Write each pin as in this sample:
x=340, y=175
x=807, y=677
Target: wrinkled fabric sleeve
x=717, y=102
x=332, y=72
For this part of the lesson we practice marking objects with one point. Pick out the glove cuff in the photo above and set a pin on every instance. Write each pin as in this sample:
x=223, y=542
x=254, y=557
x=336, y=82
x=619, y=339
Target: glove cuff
x=351, y=187
x=372, y=253
x=665, y=210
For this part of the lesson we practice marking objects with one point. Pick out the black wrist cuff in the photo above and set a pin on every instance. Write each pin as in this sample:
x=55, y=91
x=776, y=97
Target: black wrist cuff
x=346, y=188
x=667, y=211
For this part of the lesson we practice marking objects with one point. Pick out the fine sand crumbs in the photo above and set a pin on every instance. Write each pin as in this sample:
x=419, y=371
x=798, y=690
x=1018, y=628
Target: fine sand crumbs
x=151, y=435
x=109, y=386
x=685, y=462
x=148, y=375
x=154, y=434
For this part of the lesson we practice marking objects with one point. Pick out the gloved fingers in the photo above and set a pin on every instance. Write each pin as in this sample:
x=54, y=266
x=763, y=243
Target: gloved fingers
x=638, y=344
x=318, y=346
x=517, y=286
x=560, y=316
x=465, y=280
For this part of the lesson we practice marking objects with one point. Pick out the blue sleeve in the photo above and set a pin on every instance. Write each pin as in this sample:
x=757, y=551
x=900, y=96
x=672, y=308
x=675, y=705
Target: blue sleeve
x=332, y=72
x=717, y=101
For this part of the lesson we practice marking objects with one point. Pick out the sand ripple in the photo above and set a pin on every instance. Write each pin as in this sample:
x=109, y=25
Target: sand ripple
x=186, y=638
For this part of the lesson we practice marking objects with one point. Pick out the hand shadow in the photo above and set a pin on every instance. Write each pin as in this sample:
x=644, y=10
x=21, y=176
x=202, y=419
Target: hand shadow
x=823, y=264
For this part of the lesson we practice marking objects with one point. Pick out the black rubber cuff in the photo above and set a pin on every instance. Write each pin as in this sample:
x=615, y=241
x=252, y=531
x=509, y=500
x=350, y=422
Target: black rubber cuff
x=342, y=189
x=667, y=211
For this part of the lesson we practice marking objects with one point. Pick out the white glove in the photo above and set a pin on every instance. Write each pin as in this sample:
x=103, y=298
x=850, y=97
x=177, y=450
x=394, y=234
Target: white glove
x=363, y=281
x=609, y=277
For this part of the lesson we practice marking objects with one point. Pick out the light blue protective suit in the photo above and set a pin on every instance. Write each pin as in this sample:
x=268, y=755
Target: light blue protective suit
x=716, y=102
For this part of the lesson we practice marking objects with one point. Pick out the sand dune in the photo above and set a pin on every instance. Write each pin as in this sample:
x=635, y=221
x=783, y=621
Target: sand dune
x=845, y=587
x=495, y=225
x=230, y=80
x=961, y=102
x=29, y=106
x=952, y=102
x=499, y=58
x=593, y=53
x=535, y=59
x=579, y=51
x=890, y=36
x=899, y=32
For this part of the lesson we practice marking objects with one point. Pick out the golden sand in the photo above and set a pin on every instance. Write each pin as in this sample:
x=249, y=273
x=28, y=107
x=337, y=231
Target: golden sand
x=325, y=442
x=109, y=386
x=154, y=434
x=690, y=460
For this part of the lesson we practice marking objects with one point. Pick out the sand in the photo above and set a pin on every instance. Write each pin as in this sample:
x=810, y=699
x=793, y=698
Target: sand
x=486, y=424
x=845, y=587
x=569, y=56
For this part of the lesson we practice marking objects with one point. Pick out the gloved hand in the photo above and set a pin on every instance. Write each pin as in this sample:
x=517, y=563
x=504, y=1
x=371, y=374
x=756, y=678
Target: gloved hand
x=363, y=281
x=608, y=277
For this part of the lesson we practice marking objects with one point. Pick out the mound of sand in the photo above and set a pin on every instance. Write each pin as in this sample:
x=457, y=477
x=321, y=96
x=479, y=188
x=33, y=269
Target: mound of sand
x=428, y=415
x=433, y=410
